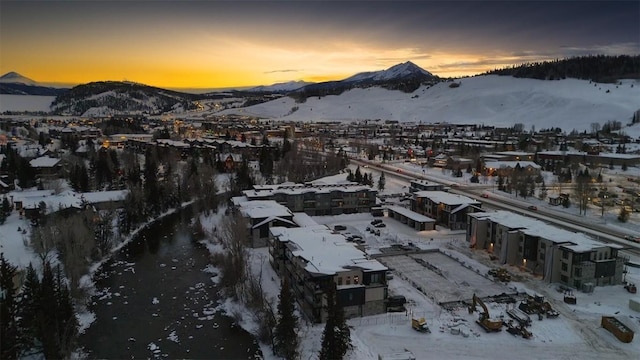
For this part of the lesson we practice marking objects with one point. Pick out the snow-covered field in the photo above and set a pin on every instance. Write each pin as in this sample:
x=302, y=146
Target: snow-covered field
x=25, y=103
x=490, y=100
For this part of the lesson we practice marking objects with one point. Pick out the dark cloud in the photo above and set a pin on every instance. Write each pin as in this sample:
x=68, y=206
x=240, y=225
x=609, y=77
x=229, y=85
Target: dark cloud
x=282, y=71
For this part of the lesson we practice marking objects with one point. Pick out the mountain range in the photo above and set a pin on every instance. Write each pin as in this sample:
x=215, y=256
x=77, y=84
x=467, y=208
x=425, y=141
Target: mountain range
x=16, y=84
x=404, y=92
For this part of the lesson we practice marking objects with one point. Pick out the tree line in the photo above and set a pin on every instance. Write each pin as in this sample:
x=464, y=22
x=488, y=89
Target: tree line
x=599, y=68
x=39, y=320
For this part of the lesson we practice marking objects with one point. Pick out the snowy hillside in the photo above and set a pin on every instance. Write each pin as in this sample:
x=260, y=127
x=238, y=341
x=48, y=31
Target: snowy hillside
x=490, y=100
x=113, y=97
x=25, y=103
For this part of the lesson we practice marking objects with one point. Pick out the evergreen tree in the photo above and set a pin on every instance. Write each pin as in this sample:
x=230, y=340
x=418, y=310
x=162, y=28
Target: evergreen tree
x=9, y=335
x=358, y=176
x=66, y=322
x=3, y=216
x=47, y=314
x=29, y=304
x=624, y=166
x=285, y=336
x=381, y=182
x=336, y=338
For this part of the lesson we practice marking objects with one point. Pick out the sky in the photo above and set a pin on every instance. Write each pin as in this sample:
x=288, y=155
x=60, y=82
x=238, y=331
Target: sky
x=217, y=44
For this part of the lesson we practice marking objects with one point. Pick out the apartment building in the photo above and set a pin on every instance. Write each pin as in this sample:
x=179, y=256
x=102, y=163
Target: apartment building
x=313, y=258
x=448, y=210
x=262, y=215
x=318, y=199
x=560, y=256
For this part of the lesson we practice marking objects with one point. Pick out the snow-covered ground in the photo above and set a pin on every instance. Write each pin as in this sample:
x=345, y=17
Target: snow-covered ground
x=490, y=100
x=576, y=333
x=25, y=103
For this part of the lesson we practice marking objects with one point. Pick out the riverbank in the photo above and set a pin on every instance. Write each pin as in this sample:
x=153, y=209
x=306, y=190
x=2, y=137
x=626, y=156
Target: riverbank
x=156, y=298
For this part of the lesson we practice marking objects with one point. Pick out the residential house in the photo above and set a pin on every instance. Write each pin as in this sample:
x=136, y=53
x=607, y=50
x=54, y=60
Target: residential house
x=46, y=167
x=448, y=210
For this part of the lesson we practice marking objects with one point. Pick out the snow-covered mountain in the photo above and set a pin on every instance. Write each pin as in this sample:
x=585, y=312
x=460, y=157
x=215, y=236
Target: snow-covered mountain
x=115, y=97
x=490, y=100
x=15, y=78
x=15, y=84
x=396, y=72
x=405, y=77
x=279, y=87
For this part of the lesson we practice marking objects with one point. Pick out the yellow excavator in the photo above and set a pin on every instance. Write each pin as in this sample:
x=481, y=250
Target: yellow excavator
x=488, y=324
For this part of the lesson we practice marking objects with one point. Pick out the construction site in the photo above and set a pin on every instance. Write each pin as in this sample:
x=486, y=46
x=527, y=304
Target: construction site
x=474, y=301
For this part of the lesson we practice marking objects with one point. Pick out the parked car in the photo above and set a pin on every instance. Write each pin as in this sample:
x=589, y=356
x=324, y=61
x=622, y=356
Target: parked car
x=485, y=195
x=339, y=227
x=532, y=207
x=380, y=225
x=376, y=221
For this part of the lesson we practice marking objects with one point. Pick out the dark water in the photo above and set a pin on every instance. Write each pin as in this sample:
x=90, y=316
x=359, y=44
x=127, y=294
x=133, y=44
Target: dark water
x=155, y=299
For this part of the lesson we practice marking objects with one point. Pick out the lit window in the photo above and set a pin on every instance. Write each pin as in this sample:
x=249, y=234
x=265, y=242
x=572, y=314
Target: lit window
x=356, y=280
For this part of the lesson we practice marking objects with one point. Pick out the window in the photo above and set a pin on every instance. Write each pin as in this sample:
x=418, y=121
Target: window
x=356, y=280
x=565, y=254
x=340, y=280
x=563, y=278
x=577, y=272
x=564, y=266
x=375, y=278
x=348, y=280
x=543, y=245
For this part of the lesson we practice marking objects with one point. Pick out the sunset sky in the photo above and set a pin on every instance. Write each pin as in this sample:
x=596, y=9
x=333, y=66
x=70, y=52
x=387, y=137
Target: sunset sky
x=214, y=44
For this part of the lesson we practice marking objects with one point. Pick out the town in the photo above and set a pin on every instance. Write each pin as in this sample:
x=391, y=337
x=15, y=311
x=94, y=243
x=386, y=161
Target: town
x=400, y=219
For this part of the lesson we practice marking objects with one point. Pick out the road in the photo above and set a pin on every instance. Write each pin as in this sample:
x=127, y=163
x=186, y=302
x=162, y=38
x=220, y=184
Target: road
x=586, y=225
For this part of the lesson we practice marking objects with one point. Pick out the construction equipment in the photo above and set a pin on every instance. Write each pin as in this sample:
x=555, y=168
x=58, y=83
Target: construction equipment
x=518, y=330
x=569, y=297
x=537, y=305
x=520, y=316
x=420, y=325
x=488, y=324
x=500, y=274
x=631, y=288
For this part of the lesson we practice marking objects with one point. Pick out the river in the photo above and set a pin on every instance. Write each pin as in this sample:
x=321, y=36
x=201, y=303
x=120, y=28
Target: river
x=156, y=299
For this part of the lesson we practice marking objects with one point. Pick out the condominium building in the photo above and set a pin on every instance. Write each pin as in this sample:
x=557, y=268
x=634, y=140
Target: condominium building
x=448, y=210
x=562, y=256
x=318, y=199
x=314, y=258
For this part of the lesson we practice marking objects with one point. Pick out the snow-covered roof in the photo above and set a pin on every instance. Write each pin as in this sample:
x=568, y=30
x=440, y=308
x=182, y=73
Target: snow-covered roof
x=303, y=220
x=44, y=162
x=265, y=191
x=602, y=155
x=410, y=214
x=498, y=164
x=446, y=198
x=259, y=209
x=578, y=242
x=104, y=196
x=324, y=251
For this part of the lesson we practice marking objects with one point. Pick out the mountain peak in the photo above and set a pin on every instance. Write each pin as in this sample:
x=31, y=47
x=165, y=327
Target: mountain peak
x=14, y=77
x=404, y=69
